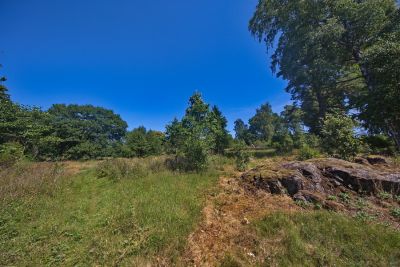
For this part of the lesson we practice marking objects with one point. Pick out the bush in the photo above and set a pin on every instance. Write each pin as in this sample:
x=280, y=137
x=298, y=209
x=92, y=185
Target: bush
x=338, y=136
x=307, y=152
x=118, y=169
x=284, y=143
x=10, y=153
x=195, y=155
x=241, y=156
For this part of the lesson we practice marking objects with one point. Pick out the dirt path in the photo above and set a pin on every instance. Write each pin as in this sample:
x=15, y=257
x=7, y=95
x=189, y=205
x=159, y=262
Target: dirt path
x=226, y=219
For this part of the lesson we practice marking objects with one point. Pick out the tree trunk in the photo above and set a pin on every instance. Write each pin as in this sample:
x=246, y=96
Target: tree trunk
x=357, y=55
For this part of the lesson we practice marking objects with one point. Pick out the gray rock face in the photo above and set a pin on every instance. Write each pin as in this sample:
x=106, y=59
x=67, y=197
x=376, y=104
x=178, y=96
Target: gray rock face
x=313, y=179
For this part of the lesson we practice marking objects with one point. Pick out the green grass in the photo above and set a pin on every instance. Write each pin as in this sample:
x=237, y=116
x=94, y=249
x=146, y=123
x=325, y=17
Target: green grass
x=99, y=221
x=322, y=238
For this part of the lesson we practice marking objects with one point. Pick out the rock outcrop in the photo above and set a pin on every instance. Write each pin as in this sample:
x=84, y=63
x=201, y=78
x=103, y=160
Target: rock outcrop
x=314, y=180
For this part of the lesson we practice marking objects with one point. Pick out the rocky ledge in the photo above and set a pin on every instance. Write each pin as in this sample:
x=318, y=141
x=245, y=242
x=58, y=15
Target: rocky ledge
x=319, y=180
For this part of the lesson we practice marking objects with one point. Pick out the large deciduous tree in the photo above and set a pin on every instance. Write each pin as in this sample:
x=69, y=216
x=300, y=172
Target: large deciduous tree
x=336, y=55
x=86, y=131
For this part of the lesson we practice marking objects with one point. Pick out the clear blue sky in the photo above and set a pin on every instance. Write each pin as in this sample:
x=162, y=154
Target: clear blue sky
x=143, y=59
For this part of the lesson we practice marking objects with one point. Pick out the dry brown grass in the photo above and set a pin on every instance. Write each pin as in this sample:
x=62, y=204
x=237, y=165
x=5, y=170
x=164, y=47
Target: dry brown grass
x=26, y=178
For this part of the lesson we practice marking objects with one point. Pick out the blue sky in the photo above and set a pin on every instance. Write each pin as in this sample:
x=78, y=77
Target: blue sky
x=143, y=59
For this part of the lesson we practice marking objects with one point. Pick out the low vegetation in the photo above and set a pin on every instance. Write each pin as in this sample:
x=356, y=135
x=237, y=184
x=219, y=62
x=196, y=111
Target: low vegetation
x=325, y=238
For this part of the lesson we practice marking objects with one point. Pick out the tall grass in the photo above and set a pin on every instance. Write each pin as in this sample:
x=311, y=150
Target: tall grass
x=120, y=168
x=134, y=220
x=28, y=179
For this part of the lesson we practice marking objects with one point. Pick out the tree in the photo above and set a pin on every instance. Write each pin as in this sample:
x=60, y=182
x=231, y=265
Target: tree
x=217, y=123
x=86, y=131
x=379, y=106
x=292, y=118
x=263, y=124
x=325, y=51
x=200, y=132
x=242, y=131
x=155, y=139
x=136, y=142
x=141, y=143
x=242, y=157
x=9, y=126
x=338, y=136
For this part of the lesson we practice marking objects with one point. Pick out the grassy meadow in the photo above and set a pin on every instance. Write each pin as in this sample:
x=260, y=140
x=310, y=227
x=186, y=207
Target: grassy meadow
x=136, y=212
x=87, y=220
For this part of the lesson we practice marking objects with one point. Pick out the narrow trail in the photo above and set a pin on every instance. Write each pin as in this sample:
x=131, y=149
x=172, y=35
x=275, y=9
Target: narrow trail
x=225, y=225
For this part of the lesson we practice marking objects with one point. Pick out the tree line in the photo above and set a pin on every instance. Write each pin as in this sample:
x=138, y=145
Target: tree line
x=75, y=132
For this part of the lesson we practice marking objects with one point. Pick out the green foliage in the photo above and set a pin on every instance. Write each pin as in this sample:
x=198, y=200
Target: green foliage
x=327, y=238
x=338, y=137
x=242, y=157
x=200, y=132
x=141, y=143
x=62, y=132
x=313, y=140
x=283, y=143
x=379, y=144
x=262, y=126
x=10, y=153
x=196, y=155
x=242, y=131
x=268, y=129
x=217, y=124
x=86, y=131
x=307, y=152
x=292, y=119
x=340, y=54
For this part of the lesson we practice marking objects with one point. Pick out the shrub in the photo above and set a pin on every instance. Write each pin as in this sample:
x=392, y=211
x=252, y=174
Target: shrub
x=306, y=152
x=338, y=136
x=10, y=153
x=195, y=155
x=241, y=156
x=284, y=143
x=117, y=169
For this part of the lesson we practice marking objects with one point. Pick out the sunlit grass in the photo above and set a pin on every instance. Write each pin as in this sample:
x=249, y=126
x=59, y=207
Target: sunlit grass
x=323, y=238
x=100, y=221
